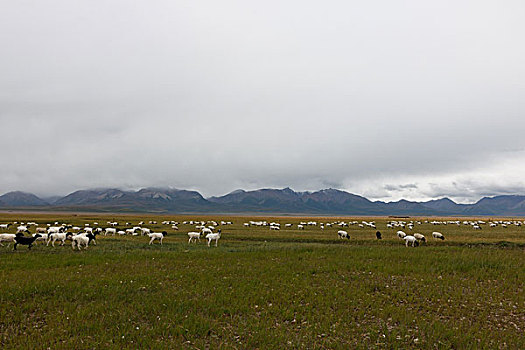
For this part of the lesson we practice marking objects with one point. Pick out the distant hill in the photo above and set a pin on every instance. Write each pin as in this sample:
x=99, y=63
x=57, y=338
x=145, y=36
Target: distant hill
x=444, y=205
x=512, y=205
x=21, y=199
x=147, y=199
x=274, y=201
x=288, y=201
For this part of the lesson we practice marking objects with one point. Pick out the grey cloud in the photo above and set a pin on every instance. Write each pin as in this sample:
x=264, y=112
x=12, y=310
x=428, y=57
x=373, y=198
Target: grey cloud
x=218, y=96
x=400, y=187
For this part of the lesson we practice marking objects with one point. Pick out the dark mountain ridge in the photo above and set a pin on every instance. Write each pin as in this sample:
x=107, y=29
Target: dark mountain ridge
x=276, y=201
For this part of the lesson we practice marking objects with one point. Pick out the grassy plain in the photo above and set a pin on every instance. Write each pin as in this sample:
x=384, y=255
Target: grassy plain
x=262, y=289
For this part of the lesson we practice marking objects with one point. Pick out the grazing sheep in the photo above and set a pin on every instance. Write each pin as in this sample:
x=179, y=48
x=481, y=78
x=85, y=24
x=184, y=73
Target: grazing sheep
x=206, y=230
x=28, y=241
x=156, y=235
x=55, y=229
x=378, y=235
x=6, y=226
x=81, y=239
x=343, y=234
x=401, y=234
x=420, y=237
x=213, y=237
x=41, y=230
x=300, y=227
x=22, y=229
x=7, y=237
x=91, y=236
x=411, y=239
x=438, y=235
x=58, y=236
x=43, y=236
x=110, y=230
x=194, y=236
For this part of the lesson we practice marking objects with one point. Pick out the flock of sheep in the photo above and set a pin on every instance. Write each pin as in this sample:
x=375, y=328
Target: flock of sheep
x=51, y=234
x=412, y=240
x=83, y=236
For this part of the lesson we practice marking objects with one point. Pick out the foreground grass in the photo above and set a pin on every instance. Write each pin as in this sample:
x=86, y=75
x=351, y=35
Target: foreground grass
x=264, y=293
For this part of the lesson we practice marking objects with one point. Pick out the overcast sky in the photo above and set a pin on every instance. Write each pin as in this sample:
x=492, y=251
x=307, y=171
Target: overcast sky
x=386, y=99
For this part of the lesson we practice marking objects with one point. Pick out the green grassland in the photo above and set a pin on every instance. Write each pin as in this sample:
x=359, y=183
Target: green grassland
x=262, y=289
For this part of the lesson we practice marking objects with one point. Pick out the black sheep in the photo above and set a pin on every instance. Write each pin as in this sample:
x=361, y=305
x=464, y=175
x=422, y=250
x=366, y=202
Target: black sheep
x=28, y=241
x=378, y=235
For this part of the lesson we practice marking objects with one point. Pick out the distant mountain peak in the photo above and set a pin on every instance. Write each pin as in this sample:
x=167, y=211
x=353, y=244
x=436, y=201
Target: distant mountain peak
x=442, y=200
x=237, y=191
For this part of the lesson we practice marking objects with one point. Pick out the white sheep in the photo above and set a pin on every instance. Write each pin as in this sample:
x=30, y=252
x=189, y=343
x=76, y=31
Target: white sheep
x=438, y=235
x=401, y=234
x=91, y=236
x=6, y=226
x=420, y=237
x=55, y=229
x=58, y=236
x=213, y=237
x=43, y=236
x=206, y=230
x=194, y=236
x=343, y=234
x=22, y=229
x=7, y=237
x=157, y=235
x=110, y=230
x=81, y=240
x=411, y=239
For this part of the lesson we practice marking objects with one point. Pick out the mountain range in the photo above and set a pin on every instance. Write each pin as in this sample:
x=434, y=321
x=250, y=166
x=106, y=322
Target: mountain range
x=263, y=201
